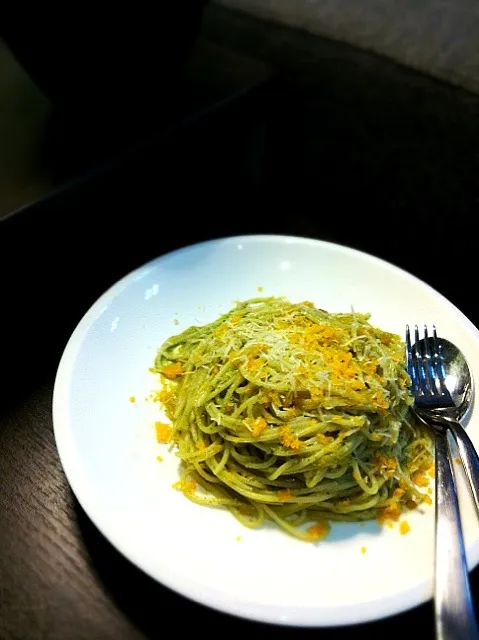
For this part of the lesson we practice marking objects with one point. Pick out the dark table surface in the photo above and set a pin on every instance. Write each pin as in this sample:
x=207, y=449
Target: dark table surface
x=298, y=136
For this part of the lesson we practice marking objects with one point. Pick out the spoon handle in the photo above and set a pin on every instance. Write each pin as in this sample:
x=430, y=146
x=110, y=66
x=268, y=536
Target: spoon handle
x=469, y=457
x=453, y=603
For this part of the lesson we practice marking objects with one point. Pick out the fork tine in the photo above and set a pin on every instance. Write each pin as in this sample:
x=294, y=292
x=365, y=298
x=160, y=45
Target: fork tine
x=439, y=364
x=429, y=365
x=419, y=362
x=411, y=368
x=425, y=365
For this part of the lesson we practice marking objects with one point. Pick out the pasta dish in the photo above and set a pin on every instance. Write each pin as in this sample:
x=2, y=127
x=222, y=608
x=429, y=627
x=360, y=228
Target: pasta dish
x=283, y=412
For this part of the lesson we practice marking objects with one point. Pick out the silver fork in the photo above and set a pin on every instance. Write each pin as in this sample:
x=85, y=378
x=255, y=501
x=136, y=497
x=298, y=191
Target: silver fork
x=454, y=608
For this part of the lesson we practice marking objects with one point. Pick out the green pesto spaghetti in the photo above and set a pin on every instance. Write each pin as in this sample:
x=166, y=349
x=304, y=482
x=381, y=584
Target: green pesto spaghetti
x=284, y=412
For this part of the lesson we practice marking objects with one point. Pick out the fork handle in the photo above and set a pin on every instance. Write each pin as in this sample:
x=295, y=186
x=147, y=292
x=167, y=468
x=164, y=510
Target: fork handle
x=455, y=617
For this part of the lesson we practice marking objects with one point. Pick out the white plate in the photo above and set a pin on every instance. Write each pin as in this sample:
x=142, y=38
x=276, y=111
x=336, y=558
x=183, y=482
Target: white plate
x=108, y=450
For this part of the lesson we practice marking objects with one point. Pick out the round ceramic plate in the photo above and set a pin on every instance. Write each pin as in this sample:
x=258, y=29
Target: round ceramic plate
x=104, y=429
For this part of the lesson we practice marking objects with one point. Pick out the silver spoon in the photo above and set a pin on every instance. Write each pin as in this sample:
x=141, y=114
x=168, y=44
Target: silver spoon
x=443, y=409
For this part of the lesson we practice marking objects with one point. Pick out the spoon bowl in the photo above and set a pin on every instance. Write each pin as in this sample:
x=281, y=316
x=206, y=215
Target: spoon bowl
x=458, y=381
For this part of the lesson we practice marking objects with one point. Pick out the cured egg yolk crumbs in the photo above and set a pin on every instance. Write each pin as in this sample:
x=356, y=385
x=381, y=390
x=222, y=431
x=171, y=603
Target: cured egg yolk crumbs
x=385, y=466
x=323, y=439
x=259, y=289
x=186, y=486
x=319, y=531
x=166, y=397
x=420, y=479
x=404, y=527
x=163, y=432
x=159, y=458
x=285, y=494
x=380, y=400
x=171, y=371
x=254, y=363
x=132, y=399
x=255, y=425
x=289, y=440
x=363, y=550
x=391, y=512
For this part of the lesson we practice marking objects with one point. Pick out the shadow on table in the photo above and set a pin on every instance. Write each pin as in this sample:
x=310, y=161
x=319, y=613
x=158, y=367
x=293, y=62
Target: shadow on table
x=147, y=603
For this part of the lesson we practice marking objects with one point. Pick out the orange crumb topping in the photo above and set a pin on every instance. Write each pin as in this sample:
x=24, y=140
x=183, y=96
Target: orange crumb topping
x=163, y=432
x=255, y=425
x=420, y=479
x=289, y=440
x=171, y=371
x=391, y=512
x=386, y=466
x=164, y=395
x=186, y=486
x=319, y=531
x=404, y=527
x=324, y=439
